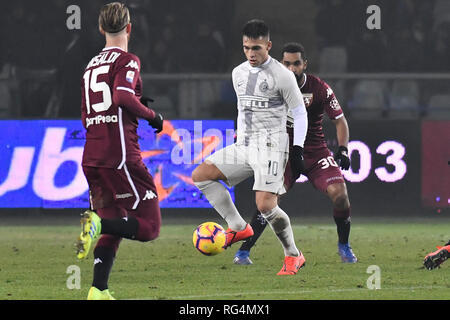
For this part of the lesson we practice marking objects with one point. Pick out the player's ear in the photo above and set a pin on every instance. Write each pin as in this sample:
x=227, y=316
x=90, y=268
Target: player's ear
x=269, y=45
x=101, y=30
x=128, y=27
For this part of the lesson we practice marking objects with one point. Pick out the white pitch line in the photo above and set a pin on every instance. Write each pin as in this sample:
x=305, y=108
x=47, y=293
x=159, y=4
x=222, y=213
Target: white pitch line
x=293, y=292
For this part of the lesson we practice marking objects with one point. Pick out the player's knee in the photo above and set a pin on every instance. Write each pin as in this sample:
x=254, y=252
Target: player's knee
x=266, y=201
x=207, y=171
x=197, y=174
x=202, y=173
x=149, y=233
x=265, y=206
x=341, y=201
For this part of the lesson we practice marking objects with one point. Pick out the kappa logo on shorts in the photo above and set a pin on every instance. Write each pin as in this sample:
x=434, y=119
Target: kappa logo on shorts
x=149, y=194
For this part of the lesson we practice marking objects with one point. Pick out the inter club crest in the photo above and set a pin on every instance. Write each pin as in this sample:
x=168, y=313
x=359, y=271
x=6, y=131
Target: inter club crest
x=263, y=86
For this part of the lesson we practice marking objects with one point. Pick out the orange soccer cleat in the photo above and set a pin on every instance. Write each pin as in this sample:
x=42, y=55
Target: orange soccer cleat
x=436, y=258
x=235, y=236
x=292, y=265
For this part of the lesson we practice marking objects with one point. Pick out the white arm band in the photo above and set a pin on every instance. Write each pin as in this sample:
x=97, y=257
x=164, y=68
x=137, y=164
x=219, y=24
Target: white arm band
x=300, y=125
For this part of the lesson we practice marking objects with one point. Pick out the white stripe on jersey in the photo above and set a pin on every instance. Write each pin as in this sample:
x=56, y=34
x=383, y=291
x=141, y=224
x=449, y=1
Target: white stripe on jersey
x=122, y=139
x=136, y=194
x=126, y=89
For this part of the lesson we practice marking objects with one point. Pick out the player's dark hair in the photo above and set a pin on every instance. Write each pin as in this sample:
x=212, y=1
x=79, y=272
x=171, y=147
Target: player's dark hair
x=294, y=47
x=255, y=29
x=114, y=17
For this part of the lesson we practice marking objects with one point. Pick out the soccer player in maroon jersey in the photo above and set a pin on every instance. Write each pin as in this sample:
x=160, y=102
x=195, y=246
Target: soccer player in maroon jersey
x=321, y=168
x=124, y=201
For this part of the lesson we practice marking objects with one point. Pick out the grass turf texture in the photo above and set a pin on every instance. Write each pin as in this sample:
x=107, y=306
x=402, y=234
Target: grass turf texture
x=34, y=262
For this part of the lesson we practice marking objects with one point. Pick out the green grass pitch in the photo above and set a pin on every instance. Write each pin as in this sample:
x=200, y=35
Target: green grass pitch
x=36, y=263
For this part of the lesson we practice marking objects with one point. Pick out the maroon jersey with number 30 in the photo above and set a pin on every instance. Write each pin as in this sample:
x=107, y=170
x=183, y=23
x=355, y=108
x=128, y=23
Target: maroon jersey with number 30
x=110, y=108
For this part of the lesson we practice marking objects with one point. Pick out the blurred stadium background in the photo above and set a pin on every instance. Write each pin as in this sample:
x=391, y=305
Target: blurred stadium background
x=393, y=83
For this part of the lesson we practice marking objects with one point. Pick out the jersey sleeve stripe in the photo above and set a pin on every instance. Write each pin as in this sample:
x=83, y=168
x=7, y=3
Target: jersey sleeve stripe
x=339, y=116
x=126, y=89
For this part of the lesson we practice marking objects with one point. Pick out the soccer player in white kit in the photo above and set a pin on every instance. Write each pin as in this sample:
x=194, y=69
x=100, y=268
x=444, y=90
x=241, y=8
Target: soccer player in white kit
x=265, y=91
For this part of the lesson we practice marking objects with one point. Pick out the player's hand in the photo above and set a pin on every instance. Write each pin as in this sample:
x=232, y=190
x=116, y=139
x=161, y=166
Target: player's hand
x=157, y=122
x=297, y=161
x=342, y=158
x=146, y=101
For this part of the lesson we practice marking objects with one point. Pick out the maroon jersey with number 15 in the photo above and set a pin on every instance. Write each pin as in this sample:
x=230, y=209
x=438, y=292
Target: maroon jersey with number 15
x=110, y=78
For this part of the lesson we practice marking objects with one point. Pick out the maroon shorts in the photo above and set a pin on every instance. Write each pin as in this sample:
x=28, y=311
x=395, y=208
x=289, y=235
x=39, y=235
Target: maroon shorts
x=321, y=168
x=130, y=188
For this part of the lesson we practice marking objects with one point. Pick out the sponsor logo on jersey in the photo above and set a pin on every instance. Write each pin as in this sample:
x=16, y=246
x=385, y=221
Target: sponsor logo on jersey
x=132, y=64
x=254, y=102
x=101, y=119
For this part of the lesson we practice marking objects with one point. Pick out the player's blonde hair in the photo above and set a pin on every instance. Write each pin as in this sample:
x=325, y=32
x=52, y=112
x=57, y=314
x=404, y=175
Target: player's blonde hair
x=114, y=17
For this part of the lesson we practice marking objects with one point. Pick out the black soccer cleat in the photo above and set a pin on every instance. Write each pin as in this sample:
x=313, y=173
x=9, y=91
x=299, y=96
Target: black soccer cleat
x=435, y=259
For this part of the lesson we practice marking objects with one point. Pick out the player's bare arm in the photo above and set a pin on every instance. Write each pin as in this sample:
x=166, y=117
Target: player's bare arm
x=342, y=131
x=342, y=134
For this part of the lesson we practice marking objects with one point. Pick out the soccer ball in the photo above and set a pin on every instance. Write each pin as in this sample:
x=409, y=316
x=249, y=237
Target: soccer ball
x=209, y=238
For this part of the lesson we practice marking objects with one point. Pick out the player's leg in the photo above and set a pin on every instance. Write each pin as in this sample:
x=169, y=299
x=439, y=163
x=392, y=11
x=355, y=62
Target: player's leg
x=269, y=167
x=337, y=192
x=120, y=191
x=258, y=224
x=104, y=256
x=325, y=175
x=279, y=222
x=144, y=217
x=222, y=165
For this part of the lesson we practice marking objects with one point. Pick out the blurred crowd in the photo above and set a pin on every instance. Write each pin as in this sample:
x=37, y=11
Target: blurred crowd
x=414, y=35
x=41, y=61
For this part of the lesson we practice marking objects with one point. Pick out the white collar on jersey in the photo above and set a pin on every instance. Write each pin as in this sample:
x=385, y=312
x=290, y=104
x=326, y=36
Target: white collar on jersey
x=304, y=82
x=110, y=48
x=258, y=68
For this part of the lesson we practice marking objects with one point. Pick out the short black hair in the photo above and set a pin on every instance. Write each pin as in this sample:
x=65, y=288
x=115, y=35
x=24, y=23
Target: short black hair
x=256, y=28
x=294, y=47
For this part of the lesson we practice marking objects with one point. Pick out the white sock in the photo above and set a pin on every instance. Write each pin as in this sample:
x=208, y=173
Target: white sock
x=280, y=223
x=219, y=197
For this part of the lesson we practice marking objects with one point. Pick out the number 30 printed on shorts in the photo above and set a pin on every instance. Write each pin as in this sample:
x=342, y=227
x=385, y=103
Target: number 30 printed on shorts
x=326, y=162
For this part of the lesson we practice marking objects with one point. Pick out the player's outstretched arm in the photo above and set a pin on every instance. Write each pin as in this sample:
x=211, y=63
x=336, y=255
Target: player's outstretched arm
x=129, y=101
